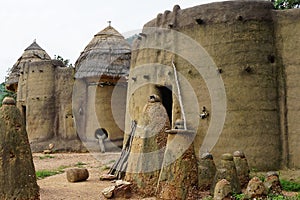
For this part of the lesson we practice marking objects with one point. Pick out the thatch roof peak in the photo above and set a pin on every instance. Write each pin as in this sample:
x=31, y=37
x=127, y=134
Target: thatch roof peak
x=33, y=53
x=109, y=31
x=34, y=46
x=108, y=53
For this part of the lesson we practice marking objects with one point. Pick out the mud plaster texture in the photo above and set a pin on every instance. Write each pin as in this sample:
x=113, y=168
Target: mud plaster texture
x=254, y=48
x=17, y=173
x=146, y=155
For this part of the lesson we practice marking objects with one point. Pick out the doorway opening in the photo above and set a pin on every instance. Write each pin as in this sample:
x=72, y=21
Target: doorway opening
x=24, y=113
x=166, y=96
x=101, y=132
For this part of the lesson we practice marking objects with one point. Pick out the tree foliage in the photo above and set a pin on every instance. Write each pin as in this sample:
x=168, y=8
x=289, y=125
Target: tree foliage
x=131, y=38
x=65, y=61
x=286, y=4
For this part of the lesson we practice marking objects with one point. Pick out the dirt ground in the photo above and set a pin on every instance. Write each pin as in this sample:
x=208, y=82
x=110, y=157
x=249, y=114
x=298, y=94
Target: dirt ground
x=58, y=188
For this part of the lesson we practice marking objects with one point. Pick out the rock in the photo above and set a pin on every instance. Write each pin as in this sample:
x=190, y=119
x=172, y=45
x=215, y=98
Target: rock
x=123, y=191
x=242, y=168
x=273, y=184
x=272, y=173
x=255, y=189
x=47, y=151
x=227, y=171
x=227, y=157
x=9, y=101
x=222, y=190
x=121, y=182
x=206, y=172
x=18, y=179
x=76, y=175
x=207, y=156
x=108, y=192
x=107, y=177
x=51, y=146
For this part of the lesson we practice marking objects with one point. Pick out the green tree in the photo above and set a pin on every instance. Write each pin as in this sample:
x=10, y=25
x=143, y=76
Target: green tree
x=65, y=61
x=286, y=4
x=132, y=38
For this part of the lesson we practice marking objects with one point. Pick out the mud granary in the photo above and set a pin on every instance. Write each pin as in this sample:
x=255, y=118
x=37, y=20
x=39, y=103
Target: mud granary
x=100, y=89
x=44, y=89
x=237, y=64
x=45, y=86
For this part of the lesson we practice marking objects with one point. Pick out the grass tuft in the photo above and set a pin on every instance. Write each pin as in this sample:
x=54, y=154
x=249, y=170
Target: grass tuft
x=46, y=157
x=290, y=186
x=41, y=174
x=80, y=164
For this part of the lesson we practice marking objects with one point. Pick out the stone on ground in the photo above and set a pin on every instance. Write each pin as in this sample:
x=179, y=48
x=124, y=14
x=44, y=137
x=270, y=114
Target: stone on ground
x=121, y=189
x=206, y=171
x=108, y=192
x=255, y=189
x=227, y=171
x=242, y=168
x=273, y=184
x=223, y=190
x=107, y=177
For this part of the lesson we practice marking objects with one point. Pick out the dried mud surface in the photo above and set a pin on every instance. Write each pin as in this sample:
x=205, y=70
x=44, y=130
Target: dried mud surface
x=58, y=188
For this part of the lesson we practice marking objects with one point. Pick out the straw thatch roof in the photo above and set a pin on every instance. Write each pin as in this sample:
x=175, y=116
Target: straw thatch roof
x=107, y=54
x=31, y=54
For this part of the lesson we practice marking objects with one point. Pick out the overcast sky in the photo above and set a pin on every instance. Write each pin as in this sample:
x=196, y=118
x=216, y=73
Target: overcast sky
x=65, y=27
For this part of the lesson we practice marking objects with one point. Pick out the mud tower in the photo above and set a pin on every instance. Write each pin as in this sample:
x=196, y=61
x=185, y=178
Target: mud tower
x=44, y=90
x=100, y=88
x=243, y=45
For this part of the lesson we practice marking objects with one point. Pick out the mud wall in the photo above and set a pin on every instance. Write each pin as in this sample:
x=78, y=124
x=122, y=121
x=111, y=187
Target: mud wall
x=65, y=121
x=100, y=104
x=36, y=99
x=44, y=97
x=242, y=40
x=287, y=26
x=79, y=105
x=110, y=109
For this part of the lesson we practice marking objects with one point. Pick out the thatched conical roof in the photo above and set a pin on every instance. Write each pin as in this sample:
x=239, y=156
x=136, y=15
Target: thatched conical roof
x=108, y=54
x=31, y=54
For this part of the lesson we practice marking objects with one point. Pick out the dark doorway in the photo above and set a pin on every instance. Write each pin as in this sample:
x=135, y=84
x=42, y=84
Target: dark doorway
x=167, y=99
x=24, y=113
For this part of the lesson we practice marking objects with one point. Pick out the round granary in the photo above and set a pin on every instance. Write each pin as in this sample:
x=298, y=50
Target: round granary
x=239, y=37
